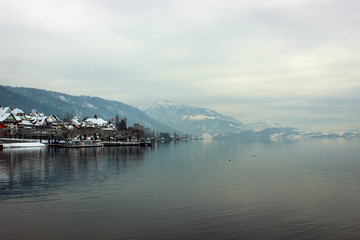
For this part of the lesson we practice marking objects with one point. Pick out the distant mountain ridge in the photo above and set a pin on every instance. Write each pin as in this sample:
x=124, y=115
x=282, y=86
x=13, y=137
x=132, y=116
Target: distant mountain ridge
x=50, y=102
x=281, y=134
x=193, y=120
x=271, y=133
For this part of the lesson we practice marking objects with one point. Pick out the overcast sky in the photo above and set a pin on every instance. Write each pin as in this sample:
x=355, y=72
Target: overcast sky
x=292, y=61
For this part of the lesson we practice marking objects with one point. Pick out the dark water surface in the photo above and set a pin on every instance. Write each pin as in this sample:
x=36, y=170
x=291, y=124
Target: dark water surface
x=306, y=189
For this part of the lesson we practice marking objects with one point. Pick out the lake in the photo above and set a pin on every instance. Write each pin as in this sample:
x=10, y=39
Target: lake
x=303, y=189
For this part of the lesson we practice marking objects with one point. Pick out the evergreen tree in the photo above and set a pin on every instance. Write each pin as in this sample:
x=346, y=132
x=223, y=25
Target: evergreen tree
x=117, y=120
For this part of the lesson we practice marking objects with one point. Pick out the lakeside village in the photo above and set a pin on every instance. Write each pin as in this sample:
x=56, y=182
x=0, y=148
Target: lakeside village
x=18, y=129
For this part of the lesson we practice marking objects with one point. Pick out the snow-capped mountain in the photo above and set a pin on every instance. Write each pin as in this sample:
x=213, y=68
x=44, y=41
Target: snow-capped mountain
x=192, y=120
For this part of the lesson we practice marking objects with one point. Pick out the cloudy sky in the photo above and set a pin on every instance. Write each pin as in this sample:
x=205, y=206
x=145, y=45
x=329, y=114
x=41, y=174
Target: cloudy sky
x=292, y=61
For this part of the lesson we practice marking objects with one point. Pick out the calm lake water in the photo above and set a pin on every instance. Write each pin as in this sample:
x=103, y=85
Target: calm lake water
x=307, y=189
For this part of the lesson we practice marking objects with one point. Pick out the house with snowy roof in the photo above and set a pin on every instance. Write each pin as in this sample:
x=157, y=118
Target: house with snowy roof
x=9, y=120
x=54, y=122
x=75, y=122
x=100, y=123
x=96, y=122
x=16, y=118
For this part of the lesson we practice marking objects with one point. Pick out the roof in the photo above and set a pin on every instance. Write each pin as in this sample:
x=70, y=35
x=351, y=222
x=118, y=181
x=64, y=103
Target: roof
x=4, y=116
x=40, y=122
x=75, y=121
x=4, y=110
x=96, y=121
x=17, y=111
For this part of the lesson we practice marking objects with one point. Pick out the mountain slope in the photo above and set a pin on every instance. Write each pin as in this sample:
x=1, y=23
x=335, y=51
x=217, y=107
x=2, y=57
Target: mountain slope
x=193, y=120
x=50, y=102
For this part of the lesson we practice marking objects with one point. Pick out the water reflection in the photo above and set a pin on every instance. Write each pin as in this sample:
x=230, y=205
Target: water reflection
x=282, y=190
x=41, y=171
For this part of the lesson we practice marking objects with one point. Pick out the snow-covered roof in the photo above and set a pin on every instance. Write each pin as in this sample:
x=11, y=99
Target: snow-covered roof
x=18, y=118
x=75, y=121
x=40, y=122
x=4, y=110
x=52, y=118
x=56, y=117
x=17, y=111
x=96, y=121
x=4, y=116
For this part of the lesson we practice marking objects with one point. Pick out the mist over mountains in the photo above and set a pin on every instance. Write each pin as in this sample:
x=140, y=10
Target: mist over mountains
x=163, y=115
x=197, y=121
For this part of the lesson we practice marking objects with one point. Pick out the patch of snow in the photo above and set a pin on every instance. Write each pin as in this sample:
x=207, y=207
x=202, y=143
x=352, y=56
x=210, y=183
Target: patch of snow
x=231, y=125
x=197, y=117
x=90, y=105
x=62, y=98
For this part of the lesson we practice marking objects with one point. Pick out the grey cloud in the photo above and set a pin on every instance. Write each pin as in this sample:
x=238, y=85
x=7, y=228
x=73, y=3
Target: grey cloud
x=254, y=54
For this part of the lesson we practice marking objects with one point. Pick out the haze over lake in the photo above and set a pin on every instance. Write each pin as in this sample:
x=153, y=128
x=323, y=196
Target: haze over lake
x=305, y=189
x=232, y=70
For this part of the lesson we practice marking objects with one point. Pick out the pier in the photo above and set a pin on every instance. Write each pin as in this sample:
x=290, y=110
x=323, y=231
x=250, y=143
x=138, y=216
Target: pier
x=111, y=144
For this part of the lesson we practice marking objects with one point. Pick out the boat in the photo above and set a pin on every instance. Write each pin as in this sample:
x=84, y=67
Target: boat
x=22, y=145
x=19, y=143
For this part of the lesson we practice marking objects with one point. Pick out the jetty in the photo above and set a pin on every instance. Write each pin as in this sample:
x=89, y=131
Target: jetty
x=113, y=144
x=76, y=144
